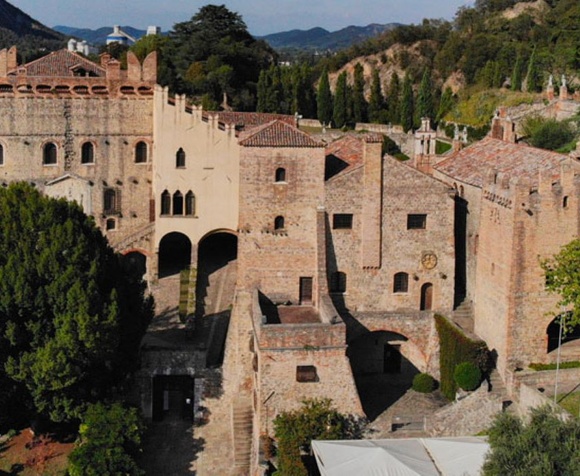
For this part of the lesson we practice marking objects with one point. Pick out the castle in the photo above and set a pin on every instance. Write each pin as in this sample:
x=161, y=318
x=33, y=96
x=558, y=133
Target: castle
x=343, y=254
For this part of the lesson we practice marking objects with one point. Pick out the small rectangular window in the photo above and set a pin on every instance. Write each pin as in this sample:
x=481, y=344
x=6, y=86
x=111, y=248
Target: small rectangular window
x=416, y=222
x=342, y=221
x=306, y=373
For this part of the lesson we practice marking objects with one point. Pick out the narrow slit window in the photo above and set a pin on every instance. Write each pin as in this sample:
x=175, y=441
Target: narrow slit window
x=141, y=152
x=180, y=159
x=401, y=283
x=87, y=153
x=49, y=154
x=178, y=203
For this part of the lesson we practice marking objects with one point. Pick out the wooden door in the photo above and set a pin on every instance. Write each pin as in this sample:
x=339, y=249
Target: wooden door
x=426, y=297
x=305, y=291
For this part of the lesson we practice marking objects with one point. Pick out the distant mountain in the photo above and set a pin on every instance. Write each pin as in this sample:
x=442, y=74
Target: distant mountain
x=319, y=38
x=99, y=36
x=31, y=37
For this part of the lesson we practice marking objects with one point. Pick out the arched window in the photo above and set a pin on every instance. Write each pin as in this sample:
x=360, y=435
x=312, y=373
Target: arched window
x=565, y=202
x=280, y=174
x=178, y=203
x=165, y=203
x=87, y=153
x=110, y=201
x=49, y=154
x=338, y=282
x=180, y=159
x=1, y=154
x=190, y=203
x=141, y=152
x=401, y=283
x=279, y=223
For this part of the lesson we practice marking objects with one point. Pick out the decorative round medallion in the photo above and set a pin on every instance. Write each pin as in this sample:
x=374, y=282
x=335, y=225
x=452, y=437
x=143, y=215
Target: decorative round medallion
x=429, y=260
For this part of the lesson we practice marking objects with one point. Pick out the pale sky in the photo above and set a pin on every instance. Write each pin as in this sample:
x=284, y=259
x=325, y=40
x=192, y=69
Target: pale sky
x=261, y=16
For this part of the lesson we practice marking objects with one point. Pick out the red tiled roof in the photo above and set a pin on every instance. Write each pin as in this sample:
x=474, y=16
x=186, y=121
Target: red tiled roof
x=348, y=148
x=277, y=134
x=248, y=119
x=516, y=160
x=62, y=63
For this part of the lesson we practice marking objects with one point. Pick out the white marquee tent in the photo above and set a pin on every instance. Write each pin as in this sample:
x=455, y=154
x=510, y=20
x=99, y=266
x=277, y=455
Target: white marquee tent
x=462, y=456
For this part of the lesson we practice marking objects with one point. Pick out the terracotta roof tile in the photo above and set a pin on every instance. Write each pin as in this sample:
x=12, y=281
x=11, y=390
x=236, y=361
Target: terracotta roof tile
x=515, y=160
x=62, y=63
x=246, y=120
x=346, y=153
x=277, y=134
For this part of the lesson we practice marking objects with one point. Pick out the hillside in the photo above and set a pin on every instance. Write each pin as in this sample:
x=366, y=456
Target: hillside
x=31, y=37
x=98, y=36
x=321, y=39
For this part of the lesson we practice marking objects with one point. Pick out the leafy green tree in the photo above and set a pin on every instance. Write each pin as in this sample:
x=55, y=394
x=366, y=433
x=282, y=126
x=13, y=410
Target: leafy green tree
x=446, y=104
x=377, y=109
x=340, y=107
x=533, y=78
x=359, y=106
x=232, y=58
x=563, y=277
x=516, y=79
x=407, y=104
x=425, y=105
x=324, y=99
x=545, y=445
x=547, y=133
x=71, y=317
x=303, y=96
x=394, y=99
x=110, y=442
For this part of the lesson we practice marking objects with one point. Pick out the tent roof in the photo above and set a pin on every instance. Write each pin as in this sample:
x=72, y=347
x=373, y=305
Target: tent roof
x=401, y=457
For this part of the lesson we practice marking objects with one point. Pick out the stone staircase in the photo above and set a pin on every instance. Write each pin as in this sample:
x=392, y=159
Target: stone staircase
x=463, y=316
x=137, y=236
x=242, y=423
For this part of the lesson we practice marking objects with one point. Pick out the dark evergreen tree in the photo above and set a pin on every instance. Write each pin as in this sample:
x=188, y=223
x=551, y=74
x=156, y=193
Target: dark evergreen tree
x=71, y=317
x=340, y=108
x=425, y=106
x=533, y=78
x=377, y=106
x=262, y=91
x=407, y=107
x=359, y=103
x=394, y=100
x=446, y=104
x=516, y=79
x=324, y=99
x=303, y=97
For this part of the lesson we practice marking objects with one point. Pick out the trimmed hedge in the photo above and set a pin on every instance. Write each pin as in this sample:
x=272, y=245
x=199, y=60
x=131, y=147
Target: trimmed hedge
x=563, y=365
x=467, y=375
x=423, y=383
x=455, y=348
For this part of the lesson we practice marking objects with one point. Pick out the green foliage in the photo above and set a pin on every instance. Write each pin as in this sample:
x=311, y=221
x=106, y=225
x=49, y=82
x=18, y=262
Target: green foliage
x=467, y=376
x=533, y=77
x=394, y=100
x=377, y=105
x=423, y=383
x=456, y=347
x=547, y=133
x=316, y=419
x=71, y=317
x=425, y=102
x=442, y=147
x=340, y=106
x=110, y=441
x=563, y=365
x=324, y=99
x=545, y=445
x=516, y=79
x=407, y=107
x=359, y=106
x=563, y=277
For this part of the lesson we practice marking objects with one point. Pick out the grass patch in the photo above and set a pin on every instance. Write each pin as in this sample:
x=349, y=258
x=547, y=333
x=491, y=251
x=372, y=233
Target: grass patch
x=571, y=403
x=441, y=147
x=563, y=365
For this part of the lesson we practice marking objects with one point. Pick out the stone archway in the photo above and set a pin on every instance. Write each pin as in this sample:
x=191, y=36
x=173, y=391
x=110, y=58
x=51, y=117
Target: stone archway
x=174, y=254
x=570, y=340
x=383, y=366
x=135, y=262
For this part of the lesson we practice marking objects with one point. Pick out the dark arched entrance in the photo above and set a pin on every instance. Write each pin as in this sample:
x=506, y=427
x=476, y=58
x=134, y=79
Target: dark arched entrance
x=174, y=254
x=570, y=338
x=215, y=287
x=381, y=371
x=135, y=263
x=426, y=297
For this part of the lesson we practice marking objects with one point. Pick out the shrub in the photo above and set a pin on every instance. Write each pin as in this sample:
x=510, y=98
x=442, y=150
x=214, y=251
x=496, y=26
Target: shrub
x=467, y=375
x=423, y=383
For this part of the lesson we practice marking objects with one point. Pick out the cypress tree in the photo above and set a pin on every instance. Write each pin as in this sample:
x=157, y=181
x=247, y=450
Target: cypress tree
x=324, y=99
x=359, y=104
x=394, y=100
x=425, y=107
x=445, y=104
x=262, y=91
x=340, y=110
x=533, y=80
x=377, y=100
x=407, y=104
x=516, y=81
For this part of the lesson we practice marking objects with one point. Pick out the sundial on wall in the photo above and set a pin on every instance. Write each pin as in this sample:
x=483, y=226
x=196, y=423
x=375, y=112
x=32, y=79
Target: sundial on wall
x=429, y=260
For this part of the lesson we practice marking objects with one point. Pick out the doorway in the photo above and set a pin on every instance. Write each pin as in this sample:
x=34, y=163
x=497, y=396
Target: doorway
x=426, y=297
x=306, y=291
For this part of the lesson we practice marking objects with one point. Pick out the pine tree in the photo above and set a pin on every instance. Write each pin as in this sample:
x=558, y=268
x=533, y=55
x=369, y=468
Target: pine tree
x=446, y=104
x=377, y=100
x=394, y=100
x=340, y=110
x=516, y=80
x=533, y=80
x=359, y=103
x=425, y=107
x=407, y=104
x=324, y=99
